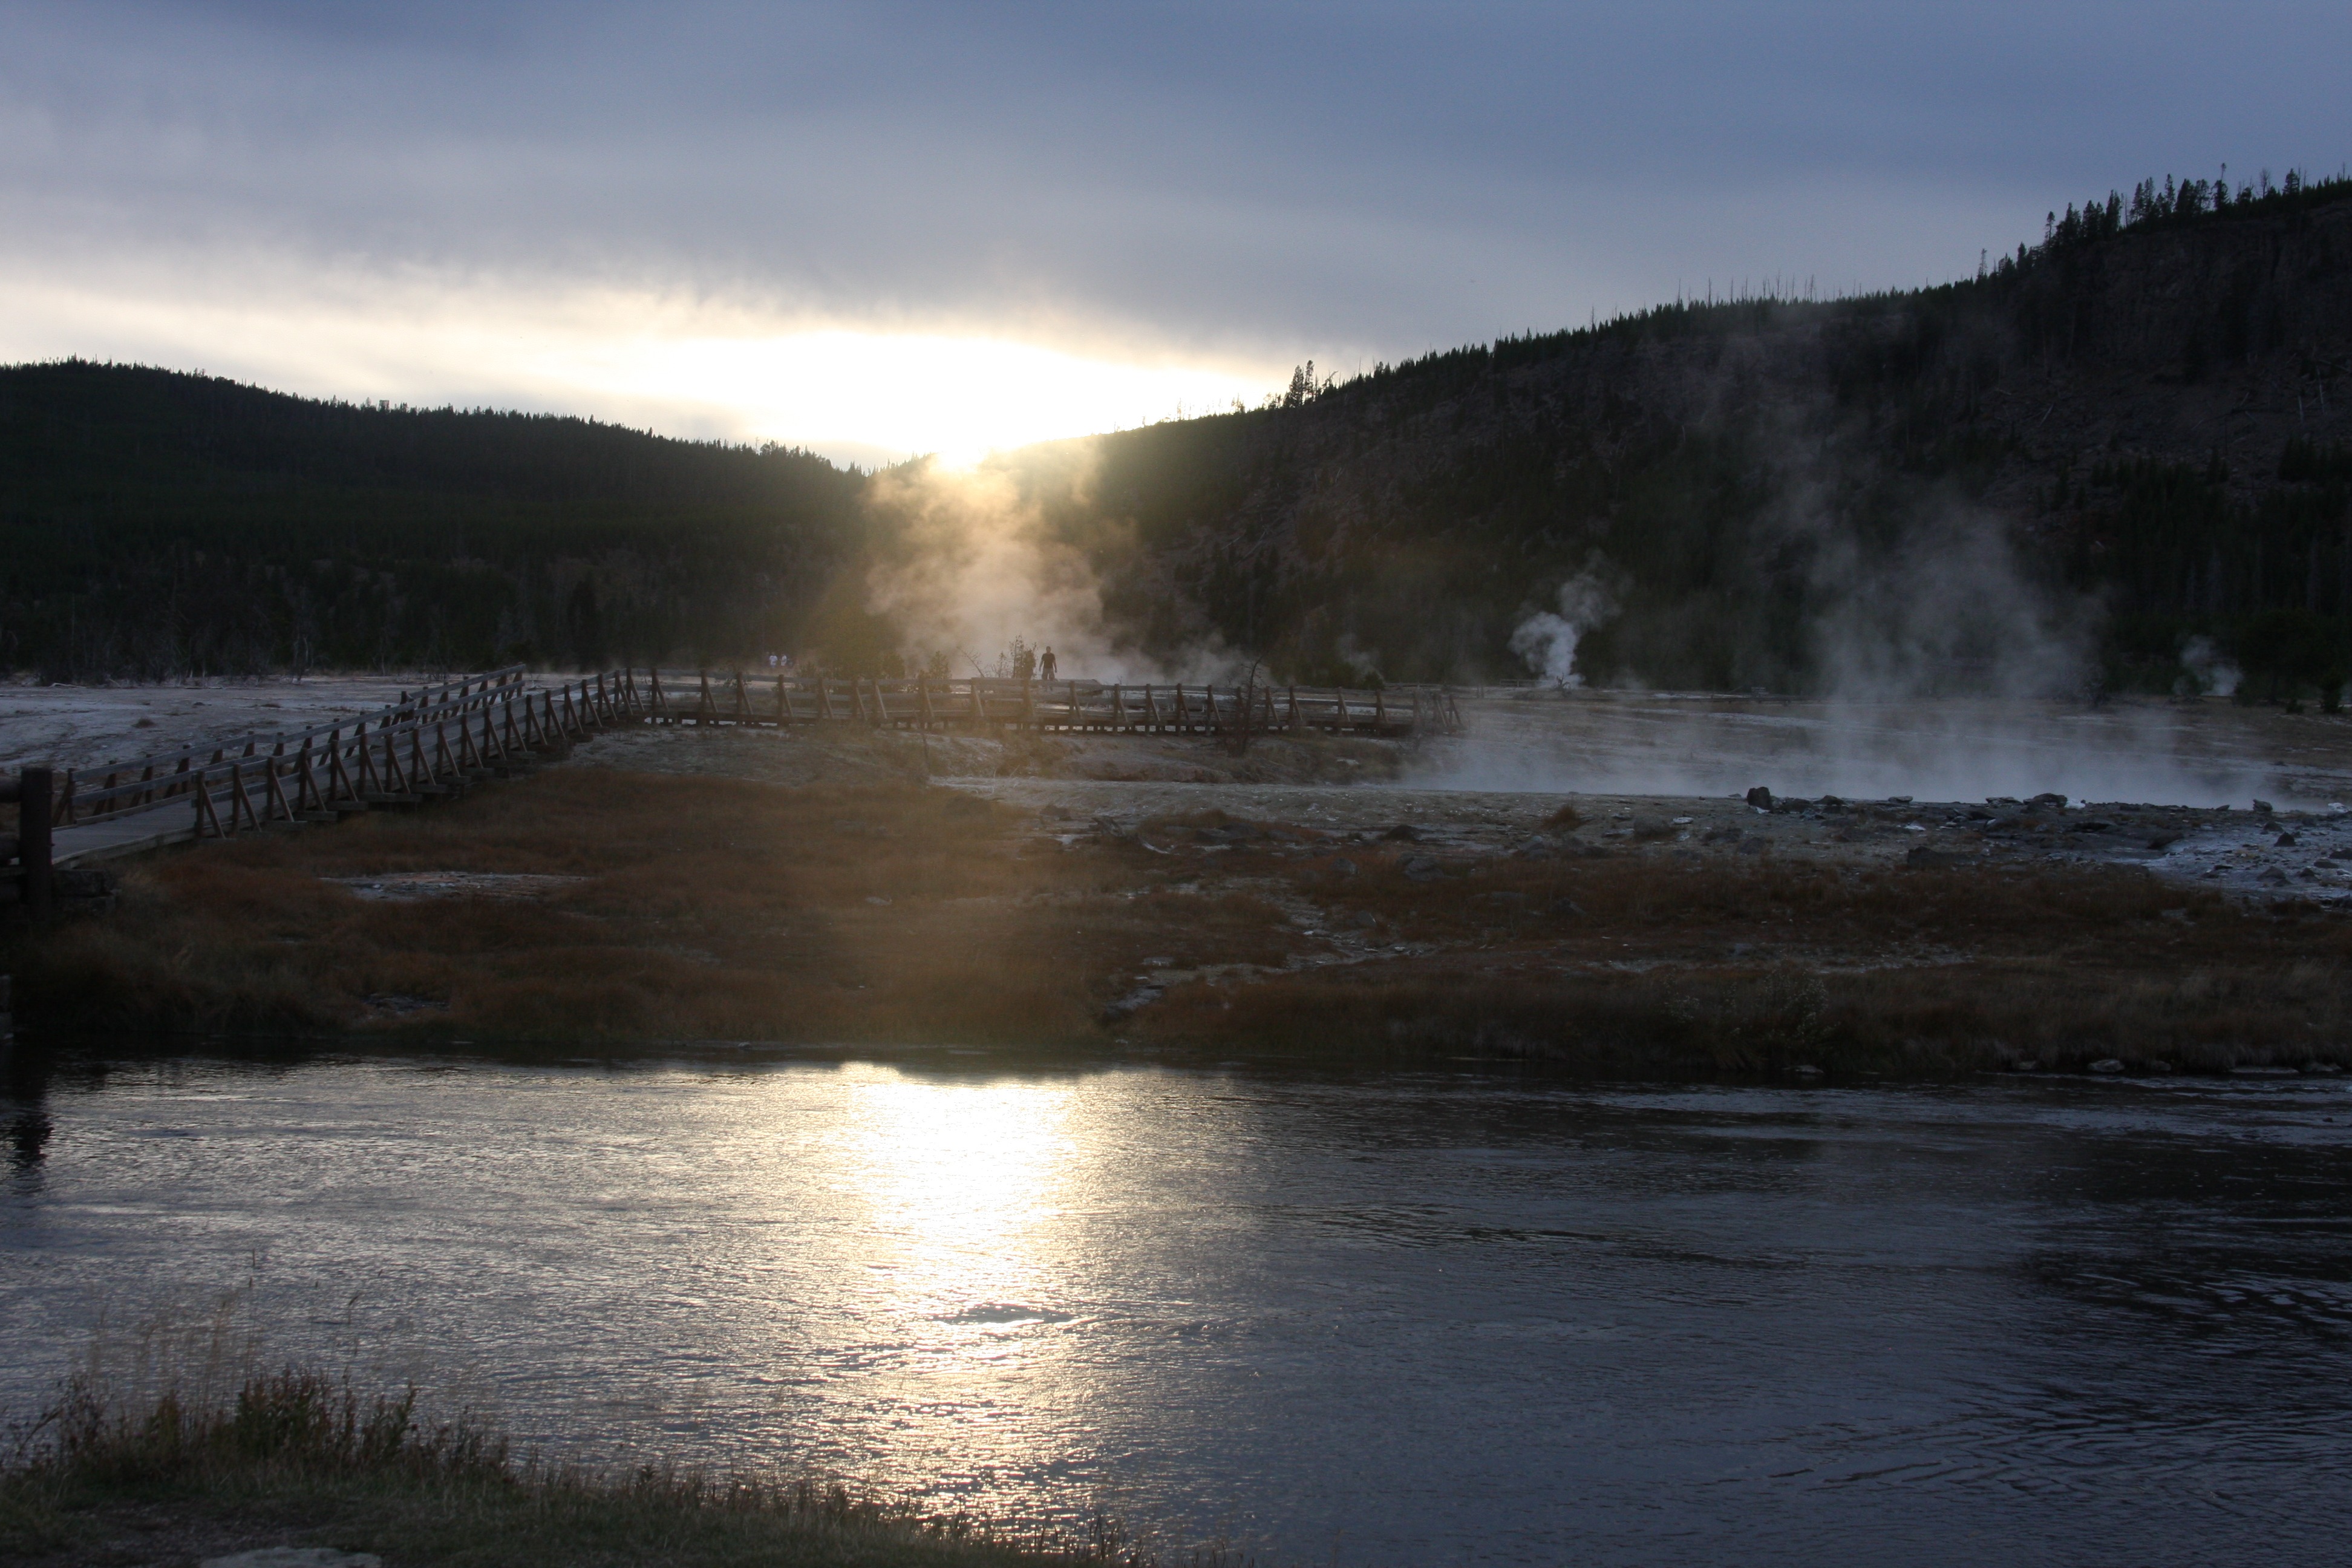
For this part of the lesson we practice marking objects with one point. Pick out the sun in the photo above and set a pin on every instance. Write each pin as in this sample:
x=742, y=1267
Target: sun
x=955, y=399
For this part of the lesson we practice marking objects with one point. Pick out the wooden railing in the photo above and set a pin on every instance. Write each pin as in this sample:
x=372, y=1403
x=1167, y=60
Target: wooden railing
x=732, y=697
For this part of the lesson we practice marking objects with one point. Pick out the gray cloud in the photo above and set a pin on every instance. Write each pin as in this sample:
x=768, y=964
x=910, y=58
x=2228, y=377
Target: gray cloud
x=1370, y=179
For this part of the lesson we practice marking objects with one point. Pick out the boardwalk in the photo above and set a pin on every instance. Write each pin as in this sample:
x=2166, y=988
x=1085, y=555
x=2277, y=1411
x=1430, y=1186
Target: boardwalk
x=439, y=740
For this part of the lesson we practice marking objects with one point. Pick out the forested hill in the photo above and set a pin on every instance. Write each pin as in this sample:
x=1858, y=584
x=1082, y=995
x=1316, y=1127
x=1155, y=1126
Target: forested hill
x=2133, y=434
x=154, y=523
x=2141, y=427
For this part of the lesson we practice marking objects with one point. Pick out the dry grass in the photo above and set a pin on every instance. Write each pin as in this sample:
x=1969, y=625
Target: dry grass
x=300, y=1457
x=708, y=908
x=876, y=914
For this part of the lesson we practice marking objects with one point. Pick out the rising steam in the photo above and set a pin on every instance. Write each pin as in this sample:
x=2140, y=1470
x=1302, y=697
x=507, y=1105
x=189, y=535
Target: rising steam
x=971, y=566
x=1547, y=640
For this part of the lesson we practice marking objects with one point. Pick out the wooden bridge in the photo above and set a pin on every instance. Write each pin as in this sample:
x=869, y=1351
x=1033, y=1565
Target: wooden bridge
x=439, y=740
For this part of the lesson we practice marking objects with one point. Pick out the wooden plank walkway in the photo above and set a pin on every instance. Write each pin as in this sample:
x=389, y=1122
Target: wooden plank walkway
x=703, y=697
x=440, y=741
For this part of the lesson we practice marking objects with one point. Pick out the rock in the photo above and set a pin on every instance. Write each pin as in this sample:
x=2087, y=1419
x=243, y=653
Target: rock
x=2029, y=1065
x=1567, y=909
x=2160, y=1066
x=2264, y=809
x=2285, y=841
x=1751, y=847
x=2106, y=1065
x=2329, y=1069
x=2273, y=878
x=1364, y=920
x=295, y=1557
x=1343, y=866
x=1421, y=868
x=1403, y=832
x=1535, y=849
x=1760, y=798
x=2162, y=840
x=1135, y=1001
x=2049, y=797
x=1898, y=800
x=1806, y=1070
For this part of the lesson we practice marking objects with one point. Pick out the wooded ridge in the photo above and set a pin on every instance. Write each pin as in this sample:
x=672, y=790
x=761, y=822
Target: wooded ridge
x=2137, y=431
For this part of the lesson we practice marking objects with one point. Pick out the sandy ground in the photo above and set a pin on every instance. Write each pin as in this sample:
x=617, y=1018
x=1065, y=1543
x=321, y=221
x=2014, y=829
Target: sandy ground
x=1429, y=793
x=83, y=726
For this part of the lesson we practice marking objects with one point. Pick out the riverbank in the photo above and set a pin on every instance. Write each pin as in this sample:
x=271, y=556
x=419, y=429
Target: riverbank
x=859, y=905
x=299, y=1459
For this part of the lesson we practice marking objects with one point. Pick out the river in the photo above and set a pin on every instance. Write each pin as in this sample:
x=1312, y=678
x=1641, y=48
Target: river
x=1405, y=1317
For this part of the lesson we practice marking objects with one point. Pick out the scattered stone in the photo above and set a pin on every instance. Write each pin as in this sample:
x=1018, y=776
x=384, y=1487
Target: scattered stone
x=1760, y=798
x=295, y=1557
x=1421, y=868
x=1134, y=1002
x=2285, y=841
x=1682, y=822
x=2264, y=809
x=1403, y=832
x=2106, y=1065
x=2273, y=878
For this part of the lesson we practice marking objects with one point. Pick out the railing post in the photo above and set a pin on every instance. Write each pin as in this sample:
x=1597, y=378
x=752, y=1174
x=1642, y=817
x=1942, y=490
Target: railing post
x=33, y=846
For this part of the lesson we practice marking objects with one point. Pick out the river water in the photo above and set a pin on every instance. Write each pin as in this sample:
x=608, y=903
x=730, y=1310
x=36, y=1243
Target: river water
x=1404, y=1317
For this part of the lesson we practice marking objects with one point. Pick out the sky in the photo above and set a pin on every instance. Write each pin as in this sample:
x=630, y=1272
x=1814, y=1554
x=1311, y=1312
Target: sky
x=878, y=229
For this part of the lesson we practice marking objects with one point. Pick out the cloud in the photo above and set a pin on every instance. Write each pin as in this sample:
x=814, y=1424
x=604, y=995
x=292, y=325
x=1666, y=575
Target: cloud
x=1213, y=184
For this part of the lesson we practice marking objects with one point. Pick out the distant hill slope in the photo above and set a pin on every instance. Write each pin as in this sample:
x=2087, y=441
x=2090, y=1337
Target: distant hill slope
x=152, y=523
x=2134, y=434
x=2148, y=416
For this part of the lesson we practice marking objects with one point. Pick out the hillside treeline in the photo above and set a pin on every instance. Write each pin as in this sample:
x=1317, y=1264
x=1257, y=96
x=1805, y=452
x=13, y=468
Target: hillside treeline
x=154, y=524
x=2125, y=442
x=2138, y=429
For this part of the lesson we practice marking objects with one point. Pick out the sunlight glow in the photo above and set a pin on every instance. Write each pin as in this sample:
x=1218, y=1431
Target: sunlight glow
x=961, y=1178
x=863, y=392
x=957, y=398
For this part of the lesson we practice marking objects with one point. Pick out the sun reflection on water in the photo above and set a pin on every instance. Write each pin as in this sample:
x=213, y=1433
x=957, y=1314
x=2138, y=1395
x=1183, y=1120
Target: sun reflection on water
x=963, y=1182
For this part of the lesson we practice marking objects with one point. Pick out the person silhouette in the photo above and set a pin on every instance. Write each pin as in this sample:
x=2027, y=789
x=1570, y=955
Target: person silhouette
x=1046, y=663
